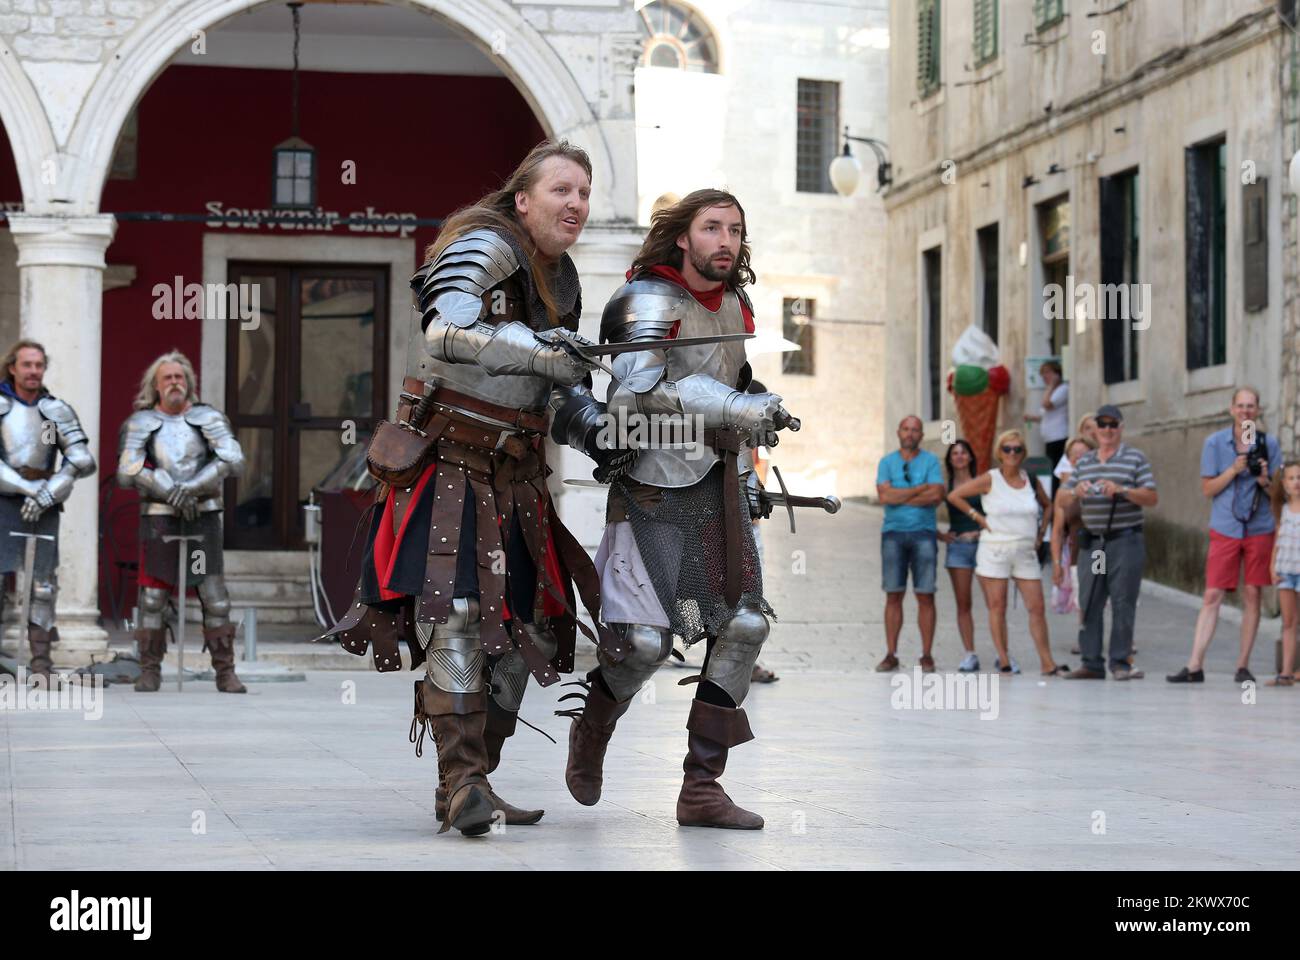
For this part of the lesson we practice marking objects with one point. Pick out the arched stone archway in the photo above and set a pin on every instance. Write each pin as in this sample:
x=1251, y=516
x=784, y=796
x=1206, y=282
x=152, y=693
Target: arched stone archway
x=25, y=122
x=526, y=58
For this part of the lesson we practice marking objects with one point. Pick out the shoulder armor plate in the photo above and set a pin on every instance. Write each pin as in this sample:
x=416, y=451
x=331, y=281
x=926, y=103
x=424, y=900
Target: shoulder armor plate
x=454, y=283
x=644, y=309
x=135, y=433
x=64, y=418
x=216, y=431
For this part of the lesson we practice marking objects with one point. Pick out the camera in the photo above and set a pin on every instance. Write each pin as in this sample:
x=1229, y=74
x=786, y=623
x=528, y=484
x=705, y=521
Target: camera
x=1257, y=456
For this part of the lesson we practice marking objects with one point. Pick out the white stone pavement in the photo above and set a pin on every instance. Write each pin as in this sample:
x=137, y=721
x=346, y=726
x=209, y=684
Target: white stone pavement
x=292, y=776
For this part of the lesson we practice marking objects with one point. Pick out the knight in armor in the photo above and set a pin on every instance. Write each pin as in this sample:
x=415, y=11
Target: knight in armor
x=679, y=520
x=177, y=453
x=38, y=432
x=465, y=561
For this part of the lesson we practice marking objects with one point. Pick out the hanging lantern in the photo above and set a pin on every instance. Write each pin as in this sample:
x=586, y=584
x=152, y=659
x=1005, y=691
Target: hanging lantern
x=293, y=164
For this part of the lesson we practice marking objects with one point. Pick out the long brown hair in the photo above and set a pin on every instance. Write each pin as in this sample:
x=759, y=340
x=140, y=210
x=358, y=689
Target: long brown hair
x=12, y=356
x=497, y=211
x=1277, y=491
x=666, y=225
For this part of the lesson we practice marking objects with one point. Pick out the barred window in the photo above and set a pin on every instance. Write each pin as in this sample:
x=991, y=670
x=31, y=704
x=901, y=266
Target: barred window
x=818, y=126
x=929, y=53
x=677, y=38
x=986, y=31
x=797, y=327
x=1048, y=13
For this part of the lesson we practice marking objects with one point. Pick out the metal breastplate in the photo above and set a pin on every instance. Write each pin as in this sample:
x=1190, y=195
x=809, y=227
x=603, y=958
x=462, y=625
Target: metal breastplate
x=681, y=467
x=178, y=448
x=20, y=434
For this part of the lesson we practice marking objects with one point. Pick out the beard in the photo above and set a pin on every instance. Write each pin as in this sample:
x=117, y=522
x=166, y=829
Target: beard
x=709, y=270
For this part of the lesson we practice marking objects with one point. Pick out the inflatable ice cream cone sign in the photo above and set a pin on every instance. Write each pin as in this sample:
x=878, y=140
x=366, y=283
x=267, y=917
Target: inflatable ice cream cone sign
x=977, y=381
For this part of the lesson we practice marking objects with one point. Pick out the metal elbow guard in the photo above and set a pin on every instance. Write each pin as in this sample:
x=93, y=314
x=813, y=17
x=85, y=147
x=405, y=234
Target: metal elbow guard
x=81, y=460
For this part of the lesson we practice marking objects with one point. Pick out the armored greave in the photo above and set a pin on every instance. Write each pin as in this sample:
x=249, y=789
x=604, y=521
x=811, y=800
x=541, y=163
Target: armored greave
x=507, y=683
x=215, y=600
x=153, y=607
x=453, y=701
x=731, y=661
x=645, y=650
x=44, y=595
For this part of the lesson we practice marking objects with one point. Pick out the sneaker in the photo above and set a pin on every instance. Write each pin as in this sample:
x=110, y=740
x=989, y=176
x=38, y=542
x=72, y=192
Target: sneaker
x=969, y=664
x=1127, y=673
x=1243, y=676
x=1187, y=676
x=889, y=663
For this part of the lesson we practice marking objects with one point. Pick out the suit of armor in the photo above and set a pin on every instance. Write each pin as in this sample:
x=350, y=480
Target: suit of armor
x=680, y=522
x=32, y=438
x=178, y=464
x=467, y=564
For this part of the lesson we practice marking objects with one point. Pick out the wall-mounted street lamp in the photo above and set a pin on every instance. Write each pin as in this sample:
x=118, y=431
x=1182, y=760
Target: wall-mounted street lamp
x=293, y=165
x=845, y=171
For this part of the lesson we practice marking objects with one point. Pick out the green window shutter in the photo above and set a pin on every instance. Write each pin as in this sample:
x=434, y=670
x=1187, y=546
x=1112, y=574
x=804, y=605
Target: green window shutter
x=986, y=31
x=1048, y=12
x=928, y=50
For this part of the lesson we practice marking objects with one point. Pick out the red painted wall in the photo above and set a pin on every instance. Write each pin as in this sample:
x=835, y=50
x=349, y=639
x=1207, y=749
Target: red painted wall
x=421, y=144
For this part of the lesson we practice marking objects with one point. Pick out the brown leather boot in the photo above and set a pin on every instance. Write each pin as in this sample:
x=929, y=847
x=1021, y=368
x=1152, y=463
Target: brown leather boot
x=464, y=757
x=593, y=725
x=514, y=816
x=702, y=802
x=39, y=640
x=153, y=647
x=220, y=643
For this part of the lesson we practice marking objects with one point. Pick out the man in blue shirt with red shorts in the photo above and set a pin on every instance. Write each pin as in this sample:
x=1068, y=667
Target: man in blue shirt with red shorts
x=910, y=485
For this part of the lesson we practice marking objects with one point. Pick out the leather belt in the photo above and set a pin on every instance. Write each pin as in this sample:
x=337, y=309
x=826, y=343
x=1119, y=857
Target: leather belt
x=531, y=421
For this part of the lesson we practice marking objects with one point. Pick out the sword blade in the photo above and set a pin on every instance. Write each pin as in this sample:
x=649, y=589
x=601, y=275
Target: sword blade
x=613, y=349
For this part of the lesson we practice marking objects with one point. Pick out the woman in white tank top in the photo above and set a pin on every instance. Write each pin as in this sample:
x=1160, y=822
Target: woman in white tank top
x=1013, y=524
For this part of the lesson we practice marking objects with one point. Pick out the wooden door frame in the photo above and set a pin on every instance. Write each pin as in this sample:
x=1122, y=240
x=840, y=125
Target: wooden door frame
x=286, y=525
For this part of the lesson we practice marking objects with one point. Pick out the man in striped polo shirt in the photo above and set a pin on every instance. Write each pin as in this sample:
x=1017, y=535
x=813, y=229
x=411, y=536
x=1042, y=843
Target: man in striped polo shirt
x=1113, y=484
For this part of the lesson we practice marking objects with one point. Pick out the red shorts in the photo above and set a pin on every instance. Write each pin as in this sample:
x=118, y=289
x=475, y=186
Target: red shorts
x=1223, y=564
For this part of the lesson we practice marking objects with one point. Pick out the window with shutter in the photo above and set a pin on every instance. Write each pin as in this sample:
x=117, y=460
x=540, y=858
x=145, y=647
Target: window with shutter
x=1048, y=13
x=928, y=52
x=986, y=31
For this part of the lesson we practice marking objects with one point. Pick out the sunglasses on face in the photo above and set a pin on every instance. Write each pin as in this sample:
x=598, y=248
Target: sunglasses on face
x=1008, y=448
x=1107, y=424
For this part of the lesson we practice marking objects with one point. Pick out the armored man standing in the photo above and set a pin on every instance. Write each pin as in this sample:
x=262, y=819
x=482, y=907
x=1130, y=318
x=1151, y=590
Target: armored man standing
x=678, y=556
x=35, y=428
x=177, y=453
x=465, y=560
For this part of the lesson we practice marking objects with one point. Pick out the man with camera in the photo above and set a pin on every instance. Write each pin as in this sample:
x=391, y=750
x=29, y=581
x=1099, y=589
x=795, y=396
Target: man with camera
x=1237, y=464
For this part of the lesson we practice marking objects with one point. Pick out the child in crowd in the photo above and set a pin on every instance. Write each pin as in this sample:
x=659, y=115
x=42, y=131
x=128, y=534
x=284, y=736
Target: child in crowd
x=1286, y=562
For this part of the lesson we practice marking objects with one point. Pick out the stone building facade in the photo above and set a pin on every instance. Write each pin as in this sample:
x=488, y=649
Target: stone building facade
x=1091, y=144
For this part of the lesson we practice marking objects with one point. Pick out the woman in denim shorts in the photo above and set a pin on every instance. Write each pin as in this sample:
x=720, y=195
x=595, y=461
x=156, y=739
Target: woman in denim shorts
x=962, y=541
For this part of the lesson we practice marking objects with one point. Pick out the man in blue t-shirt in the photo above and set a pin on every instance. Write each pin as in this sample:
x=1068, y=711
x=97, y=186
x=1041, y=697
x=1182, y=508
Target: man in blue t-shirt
x=910, y=485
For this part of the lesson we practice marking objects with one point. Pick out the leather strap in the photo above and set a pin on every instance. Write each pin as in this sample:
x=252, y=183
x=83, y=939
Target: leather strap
x=727, y=442
x=524, y=419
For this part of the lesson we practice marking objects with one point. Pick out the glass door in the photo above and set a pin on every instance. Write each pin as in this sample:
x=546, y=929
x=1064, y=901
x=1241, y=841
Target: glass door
x=304, y=383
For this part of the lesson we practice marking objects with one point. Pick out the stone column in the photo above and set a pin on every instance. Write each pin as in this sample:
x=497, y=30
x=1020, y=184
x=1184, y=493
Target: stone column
x=602, y=257
x=61, y=268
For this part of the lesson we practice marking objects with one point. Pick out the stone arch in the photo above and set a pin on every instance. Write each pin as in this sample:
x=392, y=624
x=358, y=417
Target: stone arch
x=529, y=62
x=30, y=137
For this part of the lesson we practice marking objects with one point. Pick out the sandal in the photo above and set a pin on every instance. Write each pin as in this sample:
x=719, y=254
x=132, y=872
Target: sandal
x=1282, y=680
